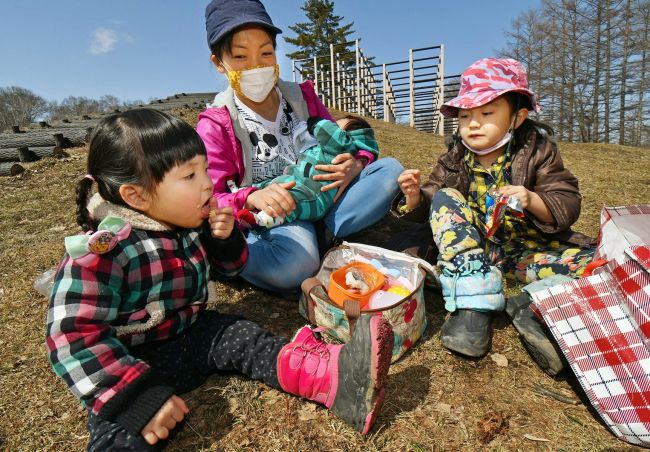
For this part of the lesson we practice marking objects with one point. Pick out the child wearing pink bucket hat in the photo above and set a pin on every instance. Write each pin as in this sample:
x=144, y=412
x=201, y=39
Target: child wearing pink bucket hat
x=497, y=152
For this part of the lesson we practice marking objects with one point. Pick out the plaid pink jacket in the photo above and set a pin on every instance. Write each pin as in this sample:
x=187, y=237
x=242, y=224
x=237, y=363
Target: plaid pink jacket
x=150, y=287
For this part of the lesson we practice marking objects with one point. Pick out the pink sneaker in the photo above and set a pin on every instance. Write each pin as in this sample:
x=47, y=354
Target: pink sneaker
x=348, y=379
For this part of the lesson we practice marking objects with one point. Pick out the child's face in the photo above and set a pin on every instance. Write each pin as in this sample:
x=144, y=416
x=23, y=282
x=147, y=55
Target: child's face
x=251, y=47
x=342, y=123
x=482, y=127
x=181, y=199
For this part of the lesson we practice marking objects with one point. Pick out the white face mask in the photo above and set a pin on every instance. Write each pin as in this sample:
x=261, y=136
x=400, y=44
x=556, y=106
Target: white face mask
x=254, y=84
x=503, y=141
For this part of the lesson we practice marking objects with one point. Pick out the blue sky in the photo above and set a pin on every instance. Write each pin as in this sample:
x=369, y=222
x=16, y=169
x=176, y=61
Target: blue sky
x=144, y=49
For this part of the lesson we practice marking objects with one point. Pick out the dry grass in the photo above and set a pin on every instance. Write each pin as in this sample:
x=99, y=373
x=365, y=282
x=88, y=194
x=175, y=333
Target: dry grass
x=435, y=401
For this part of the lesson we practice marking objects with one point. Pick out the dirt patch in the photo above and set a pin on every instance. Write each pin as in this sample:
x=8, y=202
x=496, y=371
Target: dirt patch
x=435, y=400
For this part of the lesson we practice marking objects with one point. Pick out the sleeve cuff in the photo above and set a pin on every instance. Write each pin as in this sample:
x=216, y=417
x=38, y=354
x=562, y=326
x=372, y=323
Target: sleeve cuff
x=135, y=405
x=143, y=408
x=418, y=215
x=365, y=155
x=225, y=250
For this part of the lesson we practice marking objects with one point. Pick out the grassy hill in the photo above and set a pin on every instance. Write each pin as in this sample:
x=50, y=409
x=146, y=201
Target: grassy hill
x=435, y=400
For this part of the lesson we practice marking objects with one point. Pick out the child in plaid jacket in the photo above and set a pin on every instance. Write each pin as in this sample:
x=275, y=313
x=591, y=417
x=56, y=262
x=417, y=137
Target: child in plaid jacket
x=319, y=141
x=127, y=326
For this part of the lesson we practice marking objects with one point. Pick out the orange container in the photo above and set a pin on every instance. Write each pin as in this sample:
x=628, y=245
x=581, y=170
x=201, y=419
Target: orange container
x=339, y=291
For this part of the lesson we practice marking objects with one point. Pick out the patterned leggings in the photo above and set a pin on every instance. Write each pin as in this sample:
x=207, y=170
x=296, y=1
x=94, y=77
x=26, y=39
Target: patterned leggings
x=215, y=342
x=459, y=241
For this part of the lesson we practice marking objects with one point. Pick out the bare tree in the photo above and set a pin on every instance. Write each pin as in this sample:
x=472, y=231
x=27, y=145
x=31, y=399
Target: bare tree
x=19, y=106
x=80, y=105
x=643, y=44
x=587, y=61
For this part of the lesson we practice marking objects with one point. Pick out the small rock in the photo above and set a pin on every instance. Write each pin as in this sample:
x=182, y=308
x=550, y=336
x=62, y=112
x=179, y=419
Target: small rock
x=499, y=359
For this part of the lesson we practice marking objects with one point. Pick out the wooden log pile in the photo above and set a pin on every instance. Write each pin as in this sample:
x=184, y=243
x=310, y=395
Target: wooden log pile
x=50, y=139
x=39, y=141
x=11, y=169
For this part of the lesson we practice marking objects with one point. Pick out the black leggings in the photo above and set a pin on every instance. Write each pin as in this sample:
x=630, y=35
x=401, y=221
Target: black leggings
x=215, y=342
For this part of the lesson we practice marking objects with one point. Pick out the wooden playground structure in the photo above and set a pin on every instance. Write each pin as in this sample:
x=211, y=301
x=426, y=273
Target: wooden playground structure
x=408, y=91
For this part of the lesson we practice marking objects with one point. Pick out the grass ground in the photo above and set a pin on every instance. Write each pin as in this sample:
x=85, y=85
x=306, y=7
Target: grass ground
x=435, y=400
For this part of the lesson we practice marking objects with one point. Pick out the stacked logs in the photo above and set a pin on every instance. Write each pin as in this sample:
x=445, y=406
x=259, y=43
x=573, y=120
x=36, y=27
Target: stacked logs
x=43, y=139
x=31, y=145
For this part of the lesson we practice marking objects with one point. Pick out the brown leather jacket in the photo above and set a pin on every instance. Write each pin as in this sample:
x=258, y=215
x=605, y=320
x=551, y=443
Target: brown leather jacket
x=537, y=166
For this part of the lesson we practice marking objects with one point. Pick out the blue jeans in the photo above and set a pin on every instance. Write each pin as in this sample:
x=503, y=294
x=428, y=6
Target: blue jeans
x=281, y=258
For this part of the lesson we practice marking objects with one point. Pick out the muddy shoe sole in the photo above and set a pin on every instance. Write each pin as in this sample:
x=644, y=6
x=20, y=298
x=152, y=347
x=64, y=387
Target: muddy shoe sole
x=363, y=366
x=537, y=339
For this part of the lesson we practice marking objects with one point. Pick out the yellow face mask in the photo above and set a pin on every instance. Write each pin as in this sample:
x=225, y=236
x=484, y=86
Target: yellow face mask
x=254, y=83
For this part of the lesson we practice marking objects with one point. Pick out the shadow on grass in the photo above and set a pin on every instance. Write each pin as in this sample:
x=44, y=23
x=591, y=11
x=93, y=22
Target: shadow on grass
x=406, y=390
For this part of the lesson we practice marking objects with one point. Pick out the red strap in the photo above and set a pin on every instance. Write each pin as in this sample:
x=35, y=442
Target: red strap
x=593, y=265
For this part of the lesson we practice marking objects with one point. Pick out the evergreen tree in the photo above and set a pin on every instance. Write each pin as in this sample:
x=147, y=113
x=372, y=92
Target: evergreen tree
x=324, y=28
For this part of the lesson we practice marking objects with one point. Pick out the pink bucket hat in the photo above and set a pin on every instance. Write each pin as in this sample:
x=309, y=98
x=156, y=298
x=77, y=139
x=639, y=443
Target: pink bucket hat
x=487, y=79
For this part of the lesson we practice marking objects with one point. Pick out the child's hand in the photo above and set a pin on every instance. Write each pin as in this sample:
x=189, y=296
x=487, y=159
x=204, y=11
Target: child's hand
x=221, y=220
x=530, y=201
x=165, y=420
x=518, y=191
x=409, y=183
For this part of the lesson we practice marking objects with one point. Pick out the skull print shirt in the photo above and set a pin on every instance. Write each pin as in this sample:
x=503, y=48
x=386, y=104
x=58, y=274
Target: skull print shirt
x=273, y=146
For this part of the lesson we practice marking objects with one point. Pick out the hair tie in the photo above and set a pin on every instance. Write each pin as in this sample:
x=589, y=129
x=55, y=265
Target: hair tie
x=89, y=176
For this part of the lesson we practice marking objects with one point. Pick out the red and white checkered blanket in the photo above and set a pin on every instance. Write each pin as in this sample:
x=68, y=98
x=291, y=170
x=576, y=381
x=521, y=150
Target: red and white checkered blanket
x=602, y=323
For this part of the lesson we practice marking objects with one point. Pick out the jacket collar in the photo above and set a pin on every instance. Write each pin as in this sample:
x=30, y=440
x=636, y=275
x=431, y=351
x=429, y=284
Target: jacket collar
x=99, y=209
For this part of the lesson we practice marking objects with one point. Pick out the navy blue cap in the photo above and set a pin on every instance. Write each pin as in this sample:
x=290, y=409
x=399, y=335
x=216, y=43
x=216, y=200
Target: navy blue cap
x=223, y=16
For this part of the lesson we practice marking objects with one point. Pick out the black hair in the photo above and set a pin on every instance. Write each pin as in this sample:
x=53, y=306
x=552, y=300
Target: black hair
x=134, y=147
x=518, y=101
x=224, y=45
x=355, y=123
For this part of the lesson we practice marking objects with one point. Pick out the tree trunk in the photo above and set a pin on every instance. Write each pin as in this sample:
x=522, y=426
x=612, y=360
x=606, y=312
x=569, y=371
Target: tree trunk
x=13, y=154
x=642, y=81
x=595, y=114
x=51, y=137
x=608, y=68
x=10, y=169
x=627, y=19
x=573, y=14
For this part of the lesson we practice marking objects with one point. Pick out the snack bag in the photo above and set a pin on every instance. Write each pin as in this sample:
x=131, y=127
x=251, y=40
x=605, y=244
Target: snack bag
x=495, y=210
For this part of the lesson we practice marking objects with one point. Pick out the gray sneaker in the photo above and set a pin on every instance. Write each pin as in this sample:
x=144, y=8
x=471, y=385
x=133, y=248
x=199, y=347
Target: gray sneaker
x=536, y=337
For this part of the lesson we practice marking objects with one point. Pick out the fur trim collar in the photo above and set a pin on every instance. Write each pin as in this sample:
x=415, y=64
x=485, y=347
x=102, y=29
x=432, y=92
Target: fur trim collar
x=99, y=209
